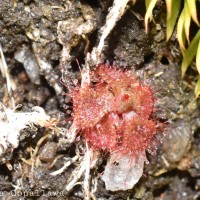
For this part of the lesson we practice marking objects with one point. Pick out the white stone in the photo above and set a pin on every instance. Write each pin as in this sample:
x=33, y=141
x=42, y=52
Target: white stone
x=123, y=172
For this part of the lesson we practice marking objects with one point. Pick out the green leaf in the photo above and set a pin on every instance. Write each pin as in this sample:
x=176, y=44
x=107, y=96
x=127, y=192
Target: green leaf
x=198, y=58
x=147, y=2
x=190, y=53
x=150, y=4
x=181, y=33
x=193, y=10
x=171, y=20
x=197, y=88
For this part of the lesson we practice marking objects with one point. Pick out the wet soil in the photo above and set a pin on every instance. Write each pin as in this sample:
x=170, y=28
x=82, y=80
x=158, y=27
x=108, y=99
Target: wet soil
x=31, y=27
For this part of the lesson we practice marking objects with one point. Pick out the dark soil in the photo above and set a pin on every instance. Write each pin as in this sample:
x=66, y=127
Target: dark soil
x=32, y=27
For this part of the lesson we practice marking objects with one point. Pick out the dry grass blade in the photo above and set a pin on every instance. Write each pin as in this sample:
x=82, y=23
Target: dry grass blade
x=5, y=73
x=190, y=53
x=172, y=16
x=150, y=4
x=193, y=10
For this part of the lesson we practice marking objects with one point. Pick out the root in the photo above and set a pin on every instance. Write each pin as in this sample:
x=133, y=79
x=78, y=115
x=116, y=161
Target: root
x=67, y=164
x=83, y=169
x=77, y=174
x=113, y=16
x=86, y=184
x=33, y=161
